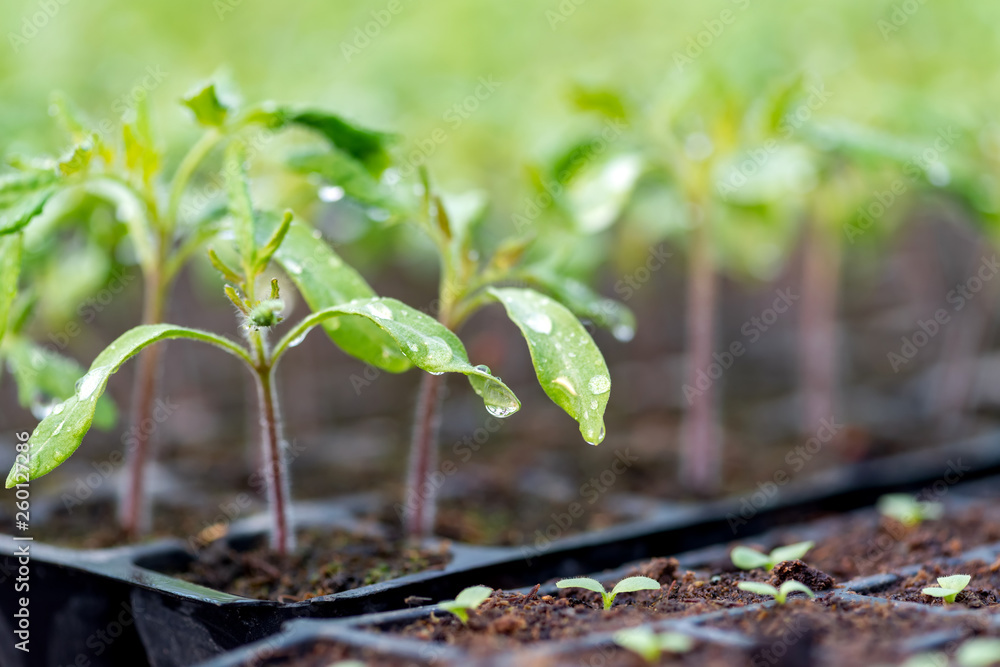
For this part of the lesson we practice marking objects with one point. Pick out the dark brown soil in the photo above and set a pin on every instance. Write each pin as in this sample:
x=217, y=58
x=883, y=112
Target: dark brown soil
x=982, y=591
x=836, y=632
x=510, y=619
x=796, y=570
x=326, y=562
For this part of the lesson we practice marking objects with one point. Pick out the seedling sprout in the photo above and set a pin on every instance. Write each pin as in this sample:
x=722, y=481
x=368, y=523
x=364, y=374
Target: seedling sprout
x=908, y=510
x=948, y=588
x=780, y=595
x=466, y=601
x=979, y=652
x=627, y=585
x=650, y=645
x=746, y=558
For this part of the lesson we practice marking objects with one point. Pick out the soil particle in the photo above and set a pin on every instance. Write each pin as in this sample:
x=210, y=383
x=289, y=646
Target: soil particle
x=796, y=570
x=326, y=562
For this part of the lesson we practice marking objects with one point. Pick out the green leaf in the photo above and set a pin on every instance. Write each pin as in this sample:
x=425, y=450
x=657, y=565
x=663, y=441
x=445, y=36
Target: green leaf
x=650, y=645
x=470, y=598
x=955, y=582
x=62, y=431
x=568, y=364
x=582, y=582
x=790, y=552
x=208, y=109
x=608, y=314
x=599, y=194
x=759, y=588
x=10, y=271
x=130, y=209
x=633, y=584
x=368, y=147
x=43, y=375
x=427, y=343
x=325, y=281
x=337, y=168
x=241, y=207
x=978, y=652
x=23, y=197
x=746, y=558
x=792, y=587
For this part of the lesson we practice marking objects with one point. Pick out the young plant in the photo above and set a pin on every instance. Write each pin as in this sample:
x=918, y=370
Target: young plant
x=907, y=510
x=568, y=364
x=466, y=601
x=746, y=558
x=650, y=645
x=627, y=585
x=369, y=327
x=167, y=219
x=948, y=588
x=780, y=594
x=978, y=652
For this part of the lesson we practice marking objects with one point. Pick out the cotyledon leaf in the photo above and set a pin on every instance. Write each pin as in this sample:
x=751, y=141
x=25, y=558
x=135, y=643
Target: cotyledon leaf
x=10, y=271
x=427, y=344
x=62, y=431
x=569, y=366
x=325, y=280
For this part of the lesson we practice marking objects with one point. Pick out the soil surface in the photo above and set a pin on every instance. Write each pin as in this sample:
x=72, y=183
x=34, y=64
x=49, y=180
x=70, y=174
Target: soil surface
x=982, y=591
x=838, y=632
x=325, y=562
x=326, y=655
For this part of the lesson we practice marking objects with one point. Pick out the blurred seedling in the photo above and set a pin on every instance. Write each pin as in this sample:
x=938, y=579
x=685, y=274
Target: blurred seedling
x=949, y=587
x=651, y=645
x=908, y=510
x=466, y=601
x=779, y=594
x=746, y=558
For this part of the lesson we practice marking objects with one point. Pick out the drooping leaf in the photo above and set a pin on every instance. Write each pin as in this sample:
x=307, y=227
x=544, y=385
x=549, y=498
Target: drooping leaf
x=206, y=106
x=368, y=147
x=23, y=196
x=44, y=376
x=427, y=344
x=340, y=169
x=62, y=431
x=325, y=280
x=793, y=587
x=608, y=314
x=569, y=366
x=10, y=271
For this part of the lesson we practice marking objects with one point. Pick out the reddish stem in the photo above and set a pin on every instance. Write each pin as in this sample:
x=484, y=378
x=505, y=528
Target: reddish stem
x=421, y=494
x=274, y=447
x=700, y=446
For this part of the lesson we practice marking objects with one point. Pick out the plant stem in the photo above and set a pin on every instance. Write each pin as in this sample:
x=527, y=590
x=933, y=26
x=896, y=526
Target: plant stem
x=133, y=508
x=275, y=464
x=421, y=494
x=700, y=449
x=818, y=324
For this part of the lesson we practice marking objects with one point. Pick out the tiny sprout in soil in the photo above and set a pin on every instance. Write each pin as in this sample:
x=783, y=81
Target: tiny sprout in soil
x=948, y=588
x=650, y=645
x=908, y=510
x=627, y=585
x=746, y=558
x=466, y=601
x=780, y=595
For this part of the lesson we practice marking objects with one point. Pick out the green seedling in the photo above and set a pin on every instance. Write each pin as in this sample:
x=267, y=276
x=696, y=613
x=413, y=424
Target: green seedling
x=780, y=595
x=948, y=588
x=907, y=510
x=650, y=645
x=746, y=558
x=466, y=601
x=979, y=652
x=370, y=327
x=166, y=217
x=627, y=585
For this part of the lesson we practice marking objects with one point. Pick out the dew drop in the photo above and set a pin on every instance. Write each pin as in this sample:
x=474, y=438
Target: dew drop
x=623, y=332
x=298, y=340
x=331, y=193
x=593, y=405
x=437, y=352
x=600, y=384
x=293, y=267
x=539, y=322
x=317, y=234
x=88, y=384
x=500, y=411
x=380, y=310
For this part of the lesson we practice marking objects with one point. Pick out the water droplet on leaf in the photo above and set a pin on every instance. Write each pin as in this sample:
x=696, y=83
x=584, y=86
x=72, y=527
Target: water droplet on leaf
x=380, y=310
x=88, y=384
x=600, y=384
x=539, y=322
x=331, y=193
x=623, y=332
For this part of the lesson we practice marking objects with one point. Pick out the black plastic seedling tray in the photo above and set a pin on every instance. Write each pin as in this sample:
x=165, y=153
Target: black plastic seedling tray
x=79, y=593
x=371, y=637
